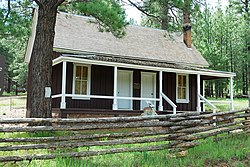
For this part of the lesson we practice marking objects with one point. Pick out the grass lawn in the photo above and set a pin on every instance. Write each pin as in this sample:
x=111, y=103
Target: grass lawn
x=239, y=103
x=233, y=151
x=14, y=94
x=13, y=101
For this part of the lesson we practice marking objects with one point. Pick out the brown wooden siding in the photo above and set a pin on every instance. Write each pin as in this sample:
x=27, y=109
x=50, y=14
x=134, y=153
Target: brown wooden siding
x=169, y=89
x=102, y=84
x=56, y=85
x=136, y=92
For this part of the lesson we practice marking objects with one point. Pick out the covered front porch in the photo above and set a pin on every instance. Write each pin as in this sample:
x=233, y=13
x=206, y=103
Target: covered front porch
x=89, y=86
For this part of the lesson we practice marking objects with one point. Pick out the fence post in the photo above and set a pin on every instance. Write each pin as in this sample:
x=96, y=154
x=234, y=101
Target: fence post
x=214, y=117
x=247, y=124
x=10, y=104
x=231, y=94
x=249, y=99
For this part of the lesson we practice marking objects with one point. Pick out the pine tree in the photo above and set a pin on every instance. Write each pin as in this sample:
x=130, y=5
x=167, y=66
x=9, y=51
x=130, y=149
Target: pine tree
x=106, y=11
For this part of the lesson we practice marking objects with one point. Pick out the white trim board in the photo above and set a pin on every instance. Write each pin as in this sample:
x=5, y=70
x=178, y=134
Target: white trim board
x=133, y=66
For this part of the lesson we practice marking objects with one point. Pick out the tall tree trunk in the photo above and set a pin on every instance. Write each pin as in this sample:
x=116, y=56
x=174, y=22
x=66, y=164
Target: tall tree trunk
x=243, y=81
x=216, y=89
x=9, y=85
x=231, y=57
x=41, y=59
x=247, y=79
x=207, y=92
x=16, y=90
x=165, y=21
x=212, y=88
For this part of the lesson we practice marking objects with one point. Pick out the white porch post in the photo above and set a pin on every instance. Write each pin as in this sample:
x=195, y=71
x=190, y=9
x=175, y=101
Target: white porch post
x=64, y=73
x=115, y=107
x=231, y=94
x=160, y=108
x=203, y=94
x=198, y=93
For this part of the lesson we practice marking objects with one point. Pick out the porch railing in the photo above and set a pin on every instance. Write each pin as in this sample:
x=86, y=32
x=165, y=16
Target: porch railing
x=169, y=102
x=221, y=102
x=105, y=97
x=210, y=104
x=123, y=98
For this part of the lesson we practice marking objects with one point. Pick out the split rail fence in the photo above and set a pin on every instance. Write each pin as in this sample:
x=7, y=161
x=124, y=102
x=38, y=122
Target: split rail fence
x=85, y=137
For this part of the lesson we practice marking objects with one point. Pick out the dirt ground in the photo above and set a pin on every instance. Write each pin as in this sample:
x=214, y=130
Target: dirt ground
x=13, y=107
x=5, y=112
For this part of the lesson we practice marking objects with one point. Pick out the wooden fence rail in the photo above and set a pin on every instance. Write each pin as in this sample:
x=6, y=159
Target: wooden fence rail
x=98, y=136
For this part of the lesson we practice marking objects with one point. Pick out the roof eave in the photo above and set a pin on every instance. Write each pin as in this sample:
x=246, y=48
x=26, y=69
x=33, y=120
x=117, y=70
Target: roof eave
x=214, y=73
x=63, y=50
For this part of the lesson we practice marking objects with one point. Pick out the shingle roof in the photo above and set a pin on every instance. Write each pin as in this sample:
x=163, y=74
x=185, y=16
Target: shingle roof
x=76, y=33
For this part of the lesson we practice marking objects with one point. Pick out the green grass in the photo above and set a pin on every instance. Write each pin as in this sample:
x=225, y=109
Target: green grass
x=230, y=150
x=239, y=103
x=13, y=101
x=14, y=94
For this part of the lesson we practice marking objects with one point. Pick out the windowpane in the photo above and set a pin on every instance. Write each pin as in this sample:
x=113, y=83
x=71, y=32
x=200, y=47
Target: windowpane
x=182, y=87
x=77, y=87
x=84, y=88
x=184, y=81
x=179, y=93
x=179, y=80
x=183, y=93
x=84, y=73
x=81, y=80
x=78, y=72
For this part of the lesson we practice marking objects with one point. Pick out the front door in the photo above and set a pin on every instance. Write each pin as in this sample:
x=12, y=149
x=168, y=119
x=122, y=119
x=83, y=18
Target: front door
x=124, y=89
x=148, y=87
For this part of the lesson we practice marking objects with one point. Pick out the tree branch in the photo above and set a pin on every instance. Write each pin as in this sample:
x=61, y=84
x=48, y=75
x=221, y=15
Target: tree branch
x=58, y=3
x=175, y=17
x=39, y=3
x=143, y=11
x=8, y=12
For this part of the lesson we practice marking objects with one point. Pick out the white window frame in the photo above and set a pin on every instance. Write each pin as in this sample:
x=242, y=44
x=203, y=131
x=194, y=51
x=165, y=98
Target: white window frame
x=88, y=81
x=187, y=89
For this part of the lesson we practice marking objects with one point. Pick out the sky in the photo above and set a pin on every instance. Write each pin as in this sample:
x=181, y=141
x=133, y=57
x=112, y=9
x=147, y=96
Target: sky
x=136, y=15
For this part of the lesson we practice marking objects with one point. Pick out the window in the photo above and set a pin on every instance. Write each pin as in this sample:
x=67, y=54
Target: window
x=81, y=79
x=182, y=92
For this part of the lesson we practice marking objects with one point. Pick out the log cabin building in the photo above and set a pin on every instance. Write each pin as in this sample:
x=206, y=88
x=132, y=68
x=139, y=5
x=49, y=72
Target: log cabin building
x=97, y=73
